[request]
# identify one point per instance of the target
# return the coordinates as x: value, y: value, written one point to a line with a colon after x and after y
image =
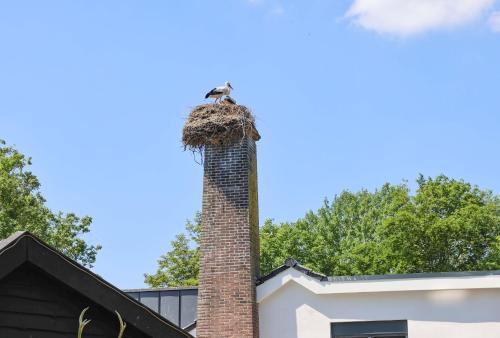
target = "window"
x: 375, y: 329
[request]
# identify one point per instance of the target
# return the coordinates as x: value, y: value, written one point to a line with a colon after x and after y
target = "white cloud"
x: 494, y: 22
x: 408, y: 17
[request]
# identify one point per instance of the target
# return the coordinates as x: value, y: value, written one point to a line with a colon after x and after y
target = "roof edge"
x: 25, y: 239
x: 6, y: 242
x: 190, y: 327
x: 416, y: 275
x: 292, y: 263
x: 180, y: 288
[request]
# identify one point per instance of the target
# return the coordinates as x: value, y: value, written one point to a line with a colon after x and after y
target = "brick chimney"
x: 227, y: 306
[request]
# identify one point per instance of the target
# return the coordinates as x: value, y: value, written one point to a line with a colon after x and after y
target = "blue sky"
x: 348, y: 94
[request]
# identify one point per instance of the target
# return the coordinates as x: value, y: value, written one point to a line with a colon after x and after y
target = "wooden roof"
x: 23, y: 247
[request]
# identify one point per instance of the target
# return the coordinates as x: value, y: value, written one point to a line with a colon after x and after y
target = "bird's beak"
x: 230, y: 86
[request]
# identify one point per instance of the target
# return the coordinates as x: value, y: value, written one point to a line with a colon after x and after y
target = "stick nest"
x: 218, y: 124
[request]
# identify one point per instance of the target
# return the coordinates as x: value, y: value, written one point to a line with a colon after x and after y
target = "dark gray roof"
x: 176, y: 304
x: 23, y: 247
x: 413, y: 275
x: 177, y: 288
x: 293, y: 264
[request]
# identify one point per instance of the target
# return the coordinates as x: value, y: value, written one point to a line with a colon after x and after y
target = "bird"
x: 228, y: 100
x: 219, y: 92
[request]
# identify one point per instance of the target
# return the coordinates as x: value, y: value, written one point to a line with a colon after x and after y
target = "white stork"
x: 218, y: 92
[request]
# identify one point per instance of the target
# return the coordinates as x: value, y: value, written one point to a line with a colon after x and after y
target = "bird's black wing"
x: 212, y: 92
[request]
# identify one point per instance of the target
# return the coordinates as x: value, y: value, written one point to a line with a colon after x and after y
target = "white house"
x: 297, y: 303
x: 294, y: 302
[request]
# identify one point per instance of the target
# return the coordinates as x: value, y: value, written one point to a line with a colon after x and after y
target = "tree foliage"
x: 446, y: 225
x: 22, y: 207
x: 180, y: 265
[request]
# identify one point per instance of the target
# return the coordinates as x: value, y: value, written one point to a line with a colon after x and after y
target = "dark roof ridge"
x: 22, y: 246
x: 292, y: 263
x: 415, y: 275
x: 173, y: 288
x: 11, y: 240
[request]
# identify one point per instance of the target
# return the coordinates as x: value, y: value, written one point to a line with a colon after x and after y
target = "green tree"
x: 22, y: 207
x: 180, y: 265
x: 447, y: 225
x: 341, y: 238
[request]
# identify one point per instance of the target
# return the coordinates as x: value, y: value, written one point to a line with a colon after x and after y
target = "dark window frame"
x: 370, y: 329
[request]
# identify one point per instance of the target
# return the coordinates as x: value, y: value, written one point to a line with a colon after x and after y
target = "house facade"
x: 294, y: 302
x: 433, y: 305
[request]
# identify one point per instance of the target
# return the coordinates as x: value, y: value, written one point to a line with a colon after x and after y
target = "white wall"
x: 293, y: 311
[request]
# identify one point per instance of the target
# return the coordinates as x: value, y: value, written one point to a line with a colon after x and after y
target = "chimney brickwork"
x: 227, y: 306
